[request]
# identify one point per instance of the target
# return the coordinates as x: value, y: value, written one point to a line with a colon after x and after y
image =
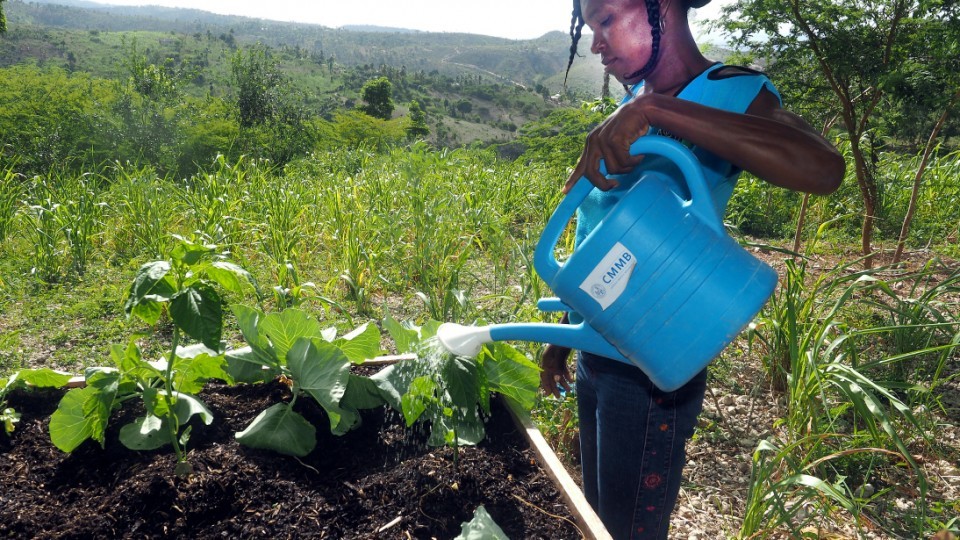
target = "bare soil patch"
x: 379, y: 481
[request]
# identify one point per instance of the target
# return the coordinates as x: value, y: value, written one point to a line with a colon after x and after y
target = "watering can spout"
x: 463, y: 340
x: 468, y: 340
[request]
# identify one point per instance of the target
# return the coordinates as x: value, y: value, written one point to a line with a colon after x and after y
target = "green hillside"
x: 472, y: 88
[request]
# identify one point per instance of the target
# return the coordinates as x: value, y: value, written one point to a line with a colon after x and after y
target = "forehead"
x: 591, y: 7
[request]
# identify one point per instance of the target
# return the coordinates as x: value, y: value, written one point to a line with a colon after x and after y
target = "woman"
x: 632, y: 434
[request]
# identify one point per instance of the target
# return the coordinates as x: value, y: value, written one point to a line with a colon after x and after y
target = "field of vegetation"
x: 262, y: 195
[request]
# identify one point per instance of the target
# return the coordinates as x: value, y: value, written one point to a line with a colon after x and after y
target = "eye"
x: 607, y: 21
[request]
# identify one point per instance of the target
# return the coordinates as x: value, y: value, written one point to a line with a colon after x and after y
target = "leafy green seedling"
x: 183, y: 287
x: 453, y: 392
x: 292, y: 345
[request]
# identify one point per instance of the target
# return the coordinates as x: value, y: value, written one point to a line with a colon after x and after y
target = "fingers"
x: 589, y: 166
x: 552, y: 382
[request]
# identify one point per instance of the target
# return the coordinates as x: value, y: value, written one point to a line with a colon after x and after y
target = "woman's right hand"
x: 554, y: 374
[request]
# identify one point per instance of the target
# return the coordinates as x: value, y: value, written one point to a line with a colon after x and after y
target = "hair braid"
x: 576, y: 26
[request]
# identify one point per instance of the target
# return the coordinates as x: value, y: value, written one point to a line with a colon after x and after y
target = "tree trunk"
x: 868, y: 191
x: 912, y: 208
x: 800, y: 219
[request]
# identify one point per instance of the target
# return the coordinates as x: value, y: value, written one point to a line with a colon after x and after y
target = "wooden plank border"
x: 590, y: 524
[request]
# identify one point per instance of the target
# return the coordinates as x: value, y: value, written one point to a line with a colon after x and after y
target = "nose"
x: 596, y: 44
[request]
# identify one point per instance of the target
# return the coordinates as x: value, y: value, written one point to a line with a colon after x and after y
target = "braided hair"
x: 653, y: 18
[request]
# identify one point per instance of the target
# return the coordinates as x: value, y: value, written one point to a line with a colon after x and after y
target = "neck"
x: 680, y: 60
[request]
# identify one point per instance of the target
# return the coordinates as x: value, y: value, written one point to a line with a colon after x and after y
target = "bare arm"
x: 768, y: 141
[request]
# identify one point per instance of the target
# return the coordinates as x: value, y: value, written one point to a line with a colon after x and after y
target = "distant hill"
x: 526, y: 62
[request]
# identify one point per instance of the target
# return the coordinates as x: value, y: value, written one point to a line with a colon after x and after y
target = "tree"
x: 417, y: 128
x: 3, y: 18
x: 378, y: 99
x: 850, y: 49
x: 258, y: 86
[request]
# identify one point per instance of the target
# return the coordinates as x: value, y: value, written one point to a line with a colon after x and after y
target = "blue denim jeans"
x: 632, y: 444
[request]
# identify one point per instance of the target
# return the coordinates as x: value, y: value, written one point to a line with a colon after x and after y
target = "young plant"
x: 182, y: 287
x: 316, y: 362
x: 10, y: 193
x: 453, y: 392
x: 783, y: 484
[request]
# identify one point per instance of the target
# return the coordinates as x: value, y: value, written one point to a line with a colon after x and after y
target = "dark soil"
x: 349, y: 487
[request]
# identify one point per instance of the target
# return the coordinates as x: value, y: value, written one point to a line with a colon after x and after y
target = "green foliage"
x: 784, y: 481
x: 26, y: 378
x: 777, y: 220
x: 49, y: 117
x: 317, y: 363
x: 259, y: 86
x: 558, y: 139
x: 11, y: 190
x: 417, y: 129
x: 377, y: 96
x: 182, y: 287
x: 451, y: 392
x: 844, y: 58
x: 358, y: 130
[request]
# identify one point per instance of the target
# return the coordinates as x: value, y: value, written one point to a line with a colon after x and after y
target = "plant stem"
x: 172, y: 422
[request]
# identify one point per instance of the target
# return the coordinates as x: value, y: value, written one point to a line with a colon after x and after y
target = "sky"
x: 513, y: 19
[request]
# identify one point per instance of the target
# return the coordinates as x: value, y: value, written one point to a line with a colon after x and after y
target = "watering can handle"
x: 700, y: 204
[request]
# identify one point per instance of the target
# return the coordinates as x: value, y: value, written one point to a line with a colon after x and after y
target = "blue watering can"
x: 658, y: 283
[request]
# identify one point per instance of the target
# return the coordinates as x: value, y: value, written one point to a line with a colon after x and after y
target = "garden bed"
x: 380, y: 481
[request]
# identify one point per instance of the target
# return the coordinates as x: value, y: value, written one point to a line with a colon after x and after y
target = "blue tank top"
x: 730, y: 90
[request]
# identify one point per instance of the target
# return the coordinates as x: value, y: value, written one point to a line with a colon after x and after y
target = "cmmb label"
x: 609, y: 278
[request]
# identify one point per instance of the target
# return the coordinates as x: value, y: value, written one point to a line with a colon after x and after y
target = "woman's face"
x: 621, y: 35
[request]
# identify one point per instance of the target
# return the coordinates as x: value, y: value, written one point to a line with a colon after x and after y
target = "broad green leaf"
x: 190, y: 253
x: 145, y: 433
x: 343, y: 419
x: 284, y: 328
x: 246, y: 366
x: 149, y: 287
x: 392, y: 382
x: 481, y: 527
x: 83, y: 413
x: 321, y: 370
x: 249, y: 321
x: 131, y: 363
x: 362, y: 393
x: 420, y: 394
x: 281, y: 429
x: 198, y: 311
x: 186, y: 406
x: 429, y: 329
x: 361, y: 344
x: 230, y: 276
x: 193, y: 373
x: 511, y: 374
x: 152, y: 404
x: 461, y: 380
x: 44, y: 377
x: 405, y: 337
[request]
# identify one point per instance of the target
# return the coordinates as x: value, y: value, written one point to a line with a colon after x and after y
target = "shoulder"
x: 727, y: 72
x: 736, y: 88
